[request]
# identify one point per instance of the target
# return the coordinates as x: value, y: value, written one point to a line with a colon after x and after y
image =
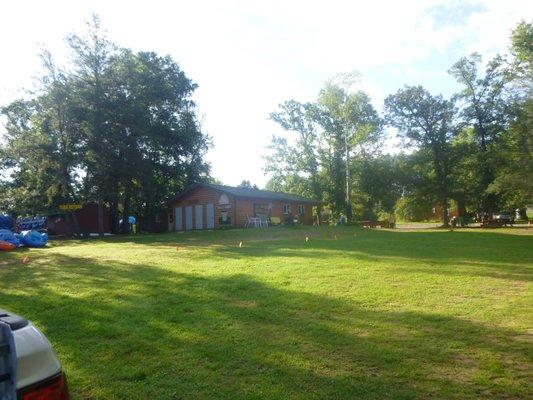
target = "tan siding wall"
x: 306, y: 218
x: 245, y: 207
x: 241, y: 208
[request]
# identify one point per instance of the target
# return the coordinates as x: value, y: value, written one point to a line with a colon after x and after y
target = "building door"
x: 198, y: 211
x: 210, y: 216
x: 179, y: 219
x: 188, y: 218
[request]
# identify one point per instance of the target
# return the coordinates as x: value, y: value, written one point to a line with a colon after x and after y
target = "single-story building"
x: 78, y: 221
x: 209, y: 206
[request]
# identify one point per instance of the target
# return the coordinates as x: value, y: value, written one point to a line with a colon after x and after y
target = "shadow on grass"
x: 465, y: 246
x: 495, y: 255
x: 142, y: 332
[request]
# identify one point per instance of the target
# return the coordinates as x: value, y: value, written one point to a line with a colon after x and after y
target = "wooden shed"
x: 209, y: 206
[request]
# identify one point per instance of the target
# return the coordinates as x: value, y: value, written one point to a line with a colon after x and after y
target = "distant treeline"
x: 472, y: 150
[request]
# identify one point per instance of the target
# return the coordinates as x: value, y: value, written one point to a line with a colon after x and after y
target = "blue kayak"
x: 7, y: 236
x: 33, y: 238
x: 6, y: 222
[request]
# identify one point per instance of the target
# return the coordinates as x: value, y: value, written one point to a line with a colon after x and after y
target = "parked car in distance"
x: 503, y: 218
x: 29, y: 368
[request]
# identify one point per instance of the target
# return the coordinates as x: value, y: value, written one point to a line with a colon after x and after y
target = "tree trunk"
x: 445, y: 215
x: 150, y: 216
x: 113, y: 213
x: 100, y: 218
x: 125, y: 214
x: 348, y: 186
x: 77, y: 231
x: 316, y: 193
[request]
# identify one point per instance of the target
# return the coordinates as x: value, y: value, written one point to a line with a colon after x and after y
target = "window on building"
x: 286, y: 208
x: 261, y: 210
x: 225, y: 218
x: 301, y: 209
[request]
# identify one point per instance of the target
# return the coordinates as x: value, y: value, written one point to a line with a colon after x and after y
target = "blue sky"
x: 249, y: 56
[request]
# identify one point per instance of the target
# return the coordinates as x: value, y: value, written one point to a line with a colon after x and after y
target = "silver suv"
x: 29, y: 368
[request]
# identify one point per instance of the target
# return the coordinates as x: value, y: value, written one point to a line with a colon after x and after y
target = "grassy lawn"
x: 350, y: 314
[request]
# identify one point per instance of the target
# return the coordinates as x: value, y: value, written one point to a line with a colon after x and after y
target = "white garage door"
x: 198, y: 211
x: 210, y: 216
x: 179, y: 219
x: 188, y: 218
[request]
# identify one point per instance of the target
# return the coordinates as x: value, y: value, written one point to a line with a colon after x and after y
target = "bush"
x: 412, y: 210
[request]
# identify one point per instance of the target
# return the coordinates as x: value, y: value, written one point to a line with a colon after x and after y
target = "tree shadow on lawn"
x: 470, y: 253
x: 494, y: 255
x: 439, y: 244
x: 142, y: 332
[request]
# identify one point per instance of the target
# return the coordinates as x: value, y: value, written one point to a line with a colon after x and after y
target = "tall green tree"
x: 41, y: 146
x: 351, y: 128
x: 142, y: 140
x: 513, y: 182
x: 159, y: 146
x: 426, y: 122
x: 297, y: 160
x: 521, y: 68
x: 119, y: 127
x: 483, y: 107
x: 92, y: 51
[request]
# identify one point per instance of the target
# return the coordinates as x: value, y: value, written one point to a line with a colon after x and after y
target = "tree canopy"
x: 116, y: 126
x: 471, y: 152
x: 120, y: 127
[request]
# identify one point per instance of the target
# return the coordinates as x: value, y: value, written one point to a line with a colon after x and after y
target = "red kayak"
x: 6, y: 246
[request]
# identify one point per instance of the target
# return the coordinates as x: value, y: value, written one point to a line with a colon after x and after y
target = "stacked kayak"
x: 6, y: 246
x: 8, y: 240
x: 30, y: 238
x: 6, y: 222
x: 33, y: 238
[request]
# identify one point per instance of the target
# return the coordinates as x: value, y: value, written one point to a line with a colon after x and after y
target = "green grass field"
x: 350, y: 314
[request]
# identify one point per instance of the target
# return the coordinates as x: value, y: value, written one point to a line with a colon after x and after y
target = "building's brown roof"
x: 248, y: 193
